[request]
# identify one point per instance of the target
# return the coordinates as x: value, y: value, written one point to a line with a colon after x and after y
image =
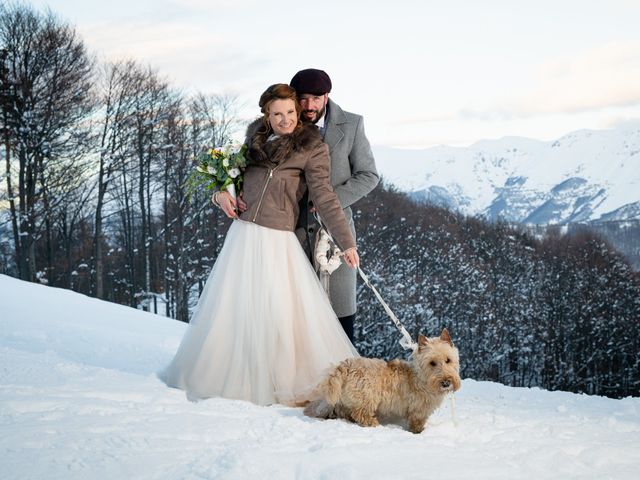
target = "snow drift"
x: 79, y: 398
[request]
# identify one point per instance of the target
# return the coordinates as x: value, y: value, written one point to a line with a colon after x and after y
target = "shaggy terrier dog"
x: 366, y: 390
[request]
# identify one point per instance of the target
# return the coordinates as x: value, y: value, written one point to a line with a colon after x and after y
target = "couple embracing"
x: 264, y: 329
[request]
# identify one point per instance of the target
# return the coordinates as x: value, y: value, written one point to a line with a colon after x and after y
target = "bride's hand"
x: 226, y: 202
x: 351, y: 257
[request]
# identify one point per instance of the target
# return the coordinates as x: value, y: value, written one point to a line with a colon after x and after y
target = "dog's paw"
x: 319, y: 409
x: 416, y: 426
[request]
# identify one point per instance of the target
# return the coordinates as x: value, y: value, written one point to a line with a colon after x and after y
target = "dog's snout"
x: 445, y: 384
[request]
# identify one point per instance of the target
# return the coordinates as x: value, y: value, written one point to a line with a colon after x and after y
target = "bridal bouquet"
x: 219, y: 168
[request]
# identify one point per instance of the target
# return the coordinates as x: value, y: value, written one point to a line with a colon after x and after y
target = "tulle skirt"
x: 263, y: 329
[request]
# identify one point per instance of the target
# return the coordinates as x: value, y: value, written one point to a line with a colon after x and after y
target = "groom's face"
x: 313, y: 106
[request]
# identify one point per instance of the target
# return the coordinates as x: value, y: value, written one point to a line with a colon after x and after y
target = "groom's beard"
x: 317, y: 115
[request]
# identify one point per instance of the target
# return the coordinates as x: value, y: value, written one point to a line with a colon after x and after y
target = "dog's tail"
x: 331, y: 386
x: 326, y: 394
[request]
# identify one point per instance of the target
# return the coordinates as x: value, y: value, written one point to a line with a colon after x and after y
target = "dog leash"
x: 406, y: 341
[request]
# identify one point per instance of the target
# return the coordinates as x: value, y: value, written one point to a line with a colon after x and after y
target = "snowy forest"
x: 93, y: 199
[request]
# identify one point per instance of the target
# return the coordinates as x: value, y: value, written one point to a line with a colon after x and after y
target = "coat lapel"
x: 334, y: 133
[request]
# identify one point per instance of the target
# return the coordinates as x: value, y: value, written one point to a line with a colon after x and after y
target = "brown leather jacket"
x: 278, y: 173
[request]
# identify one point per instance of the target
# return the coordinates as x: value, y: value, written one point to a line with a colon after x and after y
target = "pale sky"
x: 422, y: 73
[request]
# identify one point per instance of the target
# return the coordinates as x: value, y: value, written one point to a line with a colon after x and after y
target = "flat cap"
x: 311, y: 80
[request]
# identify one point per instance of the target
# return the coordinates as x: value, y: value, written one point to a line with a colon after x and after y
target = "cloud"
x: 148, y: 40
x: 598, y: 79
x: 426, y: 119
x: 208, y: 5
x: 617, y: 121
x: 192, y: 56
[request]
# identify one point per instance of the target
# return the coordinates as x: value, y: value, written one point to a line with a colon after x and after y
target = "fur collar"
x: 278, y: 150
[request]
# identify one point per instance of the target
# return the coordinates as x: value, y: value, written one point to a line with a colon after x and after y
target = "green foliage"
x: 218, y: 168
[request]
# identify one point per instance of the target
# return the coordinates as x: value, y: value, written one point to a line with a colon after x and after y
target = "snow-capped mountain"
x: 587, y: 175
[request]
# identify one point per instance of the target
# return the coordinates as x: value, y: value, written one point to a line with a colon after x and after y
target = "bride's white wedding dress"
x: 264, y: 329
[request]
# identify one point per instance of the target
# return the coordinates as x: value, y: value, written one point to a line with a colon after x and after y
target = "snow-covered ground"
x: 79, y: 399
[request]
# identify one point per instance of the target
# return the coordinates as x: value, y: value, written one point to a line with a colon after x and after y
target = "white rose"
x: 200, y: 169
x: 211, y: 170
x: 225, y: 162
x: 234, y: 172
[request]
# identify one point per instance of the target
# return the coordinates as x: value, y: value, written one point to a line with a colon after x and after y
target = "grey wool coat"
x: 353, y: 175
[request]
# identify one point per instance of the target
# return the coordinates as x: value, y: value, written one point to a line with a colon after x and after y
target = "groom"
x: 353, y: 175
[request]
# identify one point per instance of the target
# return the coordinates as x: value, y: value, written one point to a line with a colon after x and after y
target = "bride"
x: 264, y: 329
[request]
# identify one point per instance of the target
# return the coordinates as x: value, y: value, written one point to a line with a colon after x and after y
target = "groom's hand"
x: 242, y: 206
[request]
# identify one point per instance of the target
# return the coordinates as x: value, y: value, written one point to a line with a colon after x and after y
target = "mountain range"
x: 587, y: 176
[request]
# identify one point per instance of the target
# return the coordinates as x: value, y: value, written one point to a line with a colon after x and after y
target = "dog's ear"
x: 445, y: 337
x: 422, y: 340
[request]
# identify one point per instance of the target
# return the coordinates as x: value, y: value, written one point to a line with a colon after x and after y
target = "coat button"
x: 311, y: 229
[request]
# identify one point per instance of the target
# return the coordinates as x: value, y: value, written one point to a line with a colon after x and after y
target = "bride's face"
x: 283, y: 117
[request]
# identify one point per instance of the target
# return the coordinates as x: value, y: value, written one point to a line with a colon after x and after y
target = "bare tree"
x: 191, y: 228
x: 7, y: 99
x: 47, y: 113
x: 117, y: 102
x: 214, y: 119
x: 133, y: 135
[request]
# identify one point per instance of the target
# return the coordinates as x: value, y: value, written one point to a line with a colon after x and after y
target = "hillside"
x: 80, y: 399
